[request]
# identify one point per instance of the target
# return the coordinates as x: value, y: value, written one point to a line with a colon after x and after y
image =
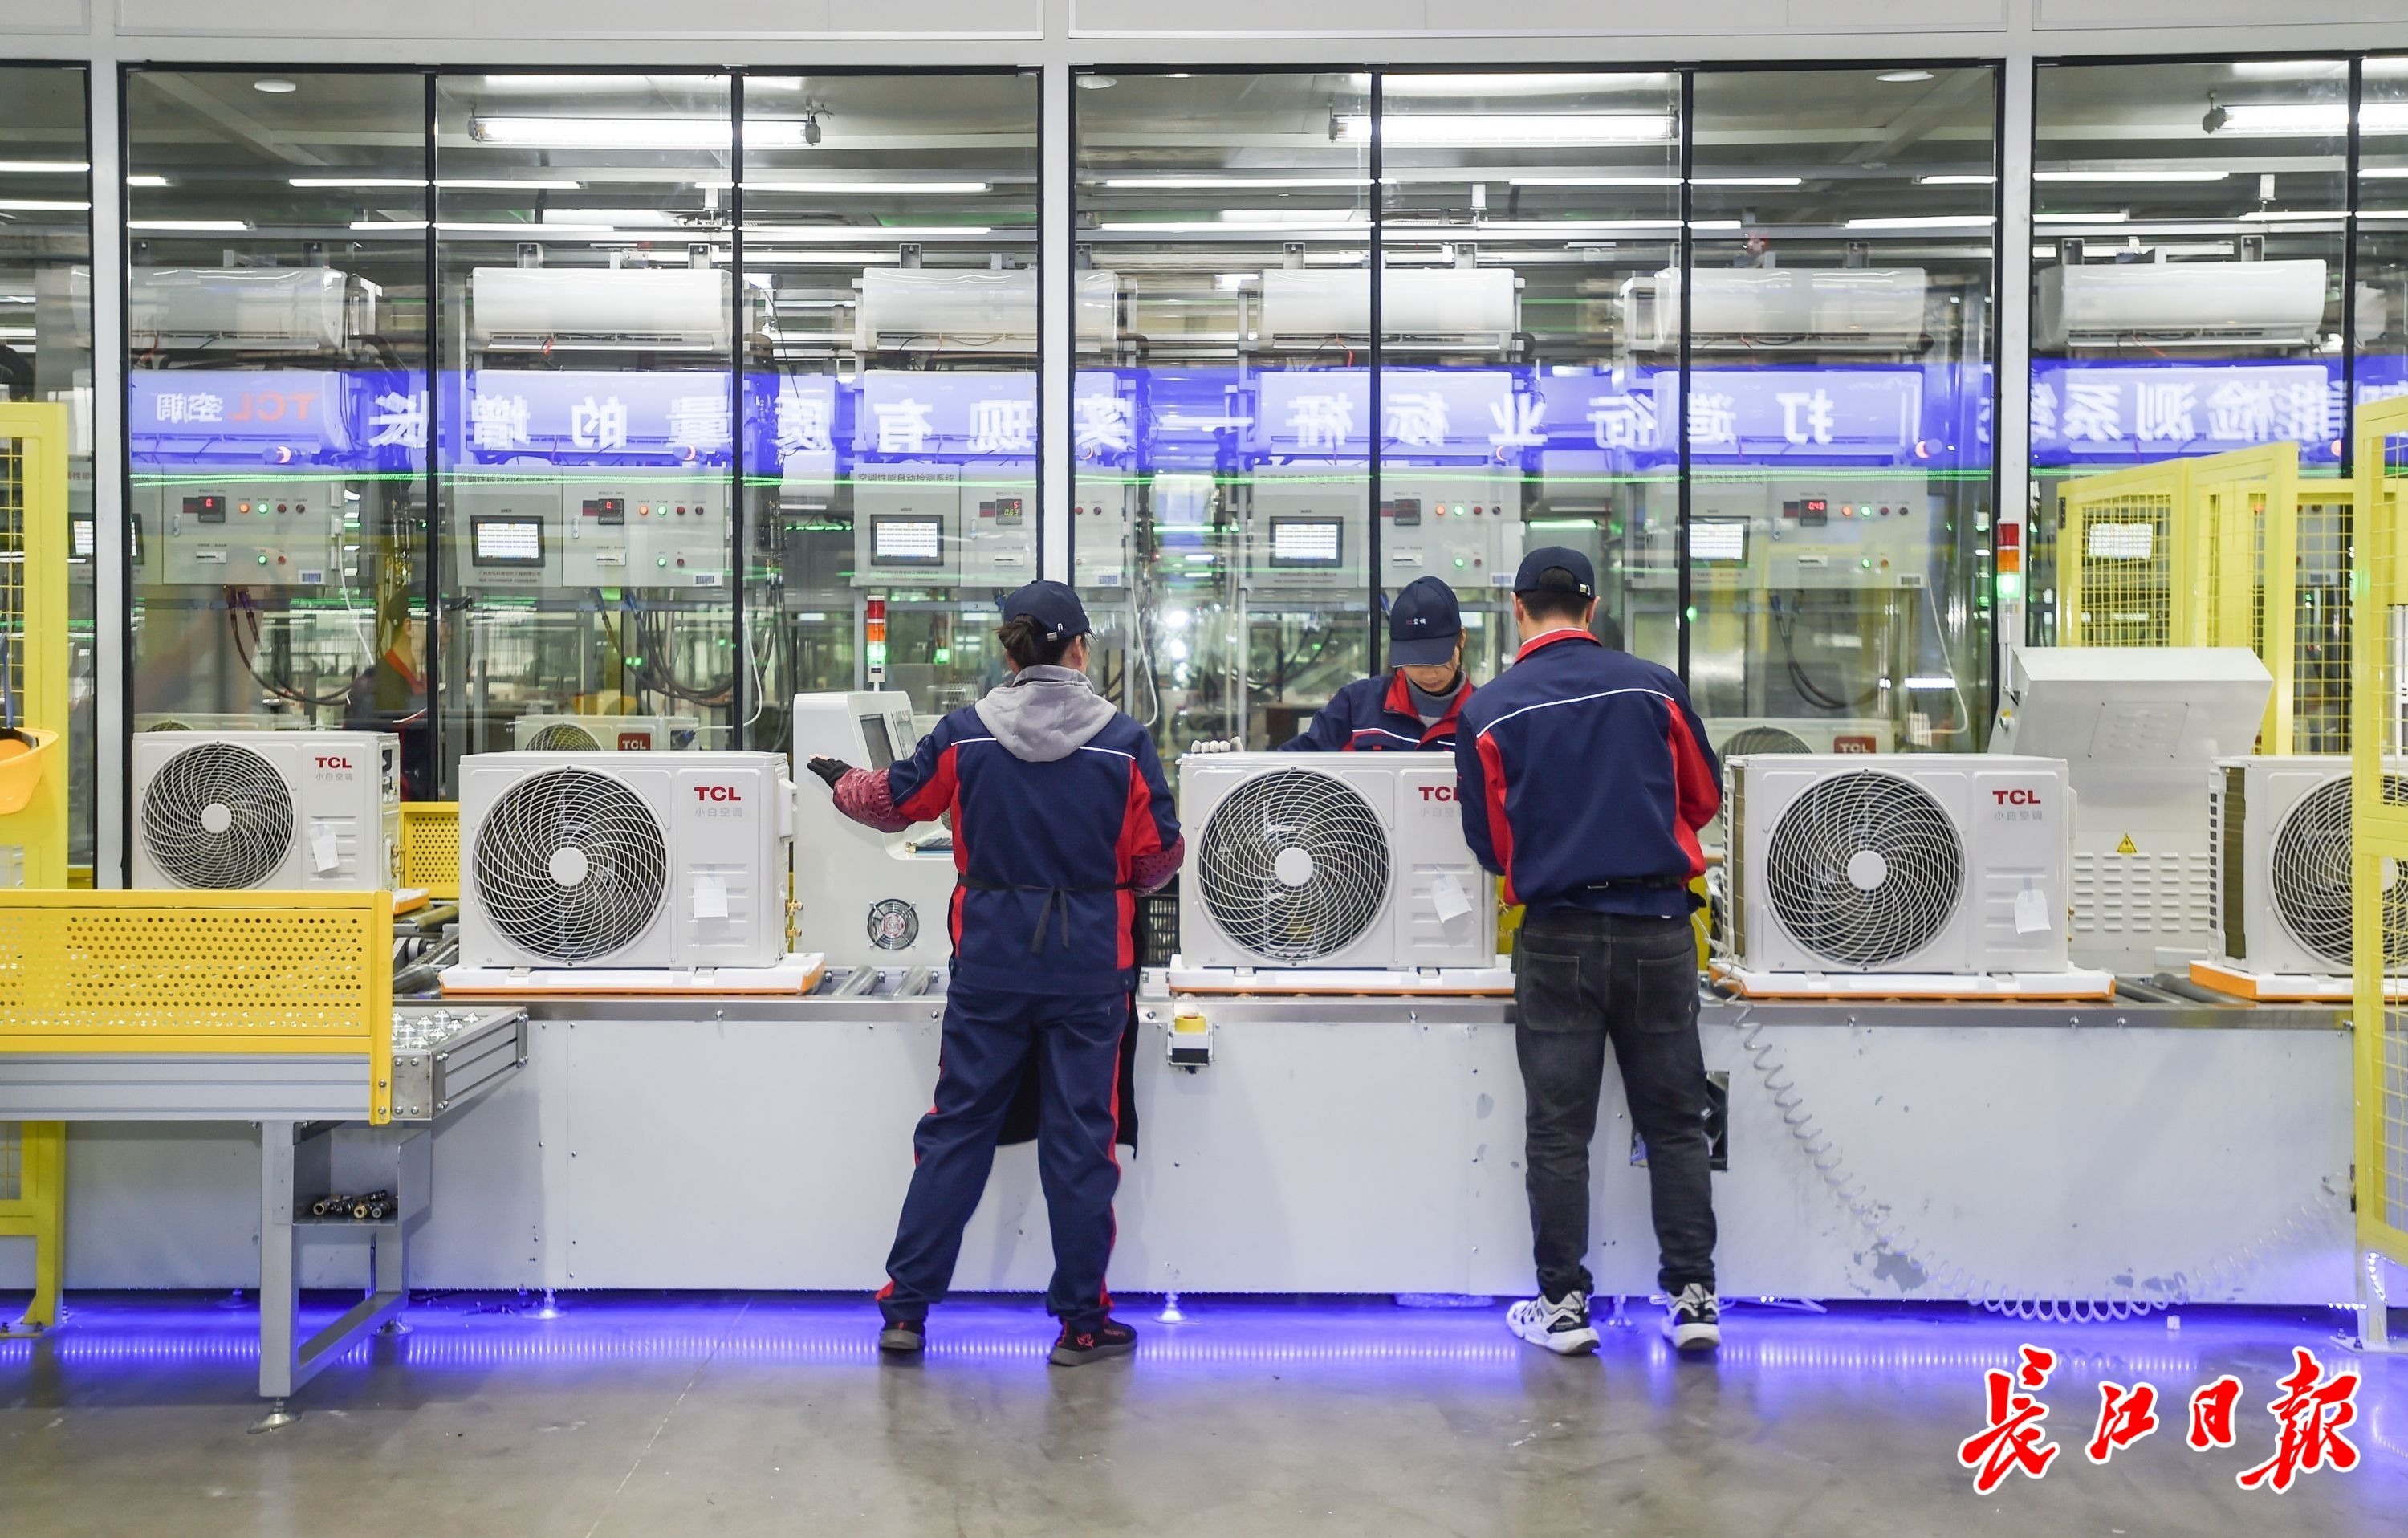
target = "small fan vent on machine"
x: 571, y: 865
x: 167, y: 726
x: 1293, y: 865
x: 1749, y: 740
x: 217, y: 816
x: 560, y: 736
x: 1864, y: 869
x: 2308, y: 873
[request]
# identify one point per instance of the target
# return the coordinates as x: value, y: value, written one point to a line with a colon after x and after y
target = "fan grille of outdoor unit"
x: 560, y: 736
x: 1749, y: 740
x: 1256, y: 896
x: 217, y: 816
x: 571, y: 865
x: 2308, y: 871
x: 1837, y: 901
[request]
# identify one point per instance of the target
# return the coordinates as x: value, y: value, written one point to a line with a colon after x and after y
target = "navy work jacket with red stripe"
x: 1584, y: 776
x: 1045, y: 852
x: 1376, y: 714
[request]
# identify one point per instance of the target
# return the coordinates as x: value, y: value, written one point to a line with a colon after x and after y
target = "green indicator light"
x: 1693, y: 614
x: 1458, y: 563
x: 1867, y: 563
x: 635, y: 662
x: 2011, y: 585
x: 262, y: 560
x: 660, y: 561
x: 942, y: 654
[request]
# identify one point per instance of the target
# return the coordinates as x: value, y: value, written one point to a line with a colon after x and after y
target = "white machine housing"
x: 218, y: 721
x: 1852, y: 309
x: 2250, y: 802
x: 863, y: 897
x: 293, y: 310
x: 2152, y: 304
x: 642, y: 532
x: 1763, y: 734
x: 2010, y: 817
x: 555, y: 733
x: 1463, y: 527
x: 1478, y: 308
x: 344, y: 793
x: 1103, y: 531
x: 1440, y: 907
x: 683, y: 309
x: 2141, y: 730
x: 1305, y: 531
x: 1797, y: 533
x: 917, y: 524
x: 727, y: 822
x: 238, y: 533
x: 505, y: 535
x: 941, y: 308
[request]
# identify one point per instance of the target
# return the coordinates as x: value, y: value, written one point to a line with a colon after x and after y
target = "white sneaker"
x: 1560, y: 1324
x: 1694, y: 1322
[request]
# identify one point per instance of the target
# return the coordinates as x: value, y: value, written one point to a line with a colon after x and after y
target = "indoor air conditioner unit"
x: 1357, y: 863
x: 283, y: 810
x: 2281, y: 828
x: 683, y: 308
x: 632, y: 861
x: 247, y: 308
x: 604, y: 733
x: 2154, y: 304
x: 937, y: 309
x: 1735, y: 734
x: 1470, y: 307
x: 1855, y: 308
x: 1929, y: 871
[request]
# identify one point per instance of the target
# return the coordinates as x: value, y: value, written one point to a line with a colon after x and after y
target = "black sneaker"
x: 1559, y: 1324
x: 1078, y: 1347
x: 1695, y: 1320
x: 904, y: 1337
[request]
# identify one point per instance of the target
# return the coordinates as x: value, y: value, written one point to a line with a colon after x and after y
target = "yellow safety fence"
x: 2379, y: 832
x: 156, y: 972
x: 33, y: 1180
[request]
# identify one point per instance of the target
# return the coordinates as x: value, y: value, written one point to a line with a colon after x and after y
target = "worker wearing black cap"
x: 1415, y: 705
x: 1061, y: 817
x: 1584, y: 777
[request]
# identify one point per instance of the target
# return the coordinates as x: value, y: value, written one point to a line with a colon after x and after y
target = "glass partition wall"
x: 46, y: 357
x: 1270, y: 444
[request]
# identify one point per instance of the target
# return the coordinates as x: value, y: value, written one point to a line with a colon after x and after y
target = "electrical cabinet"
x: 924, y: 525
x: 1464, y: 528
x: 1796, y: 534
x: 1305, y: 529
x: 506, y: 536
x: 648, y: 534
x: 242, y: 533
x: 1102, y: 532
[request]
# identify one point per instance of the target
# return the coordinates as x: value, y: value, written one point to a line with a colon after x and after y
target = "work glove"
x: 830, y: 769
x: 1216, y: 744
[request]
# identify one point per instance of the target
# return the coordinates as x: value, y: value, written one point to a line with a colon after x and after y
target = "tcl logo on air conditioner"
x: 635, y: 741
x: 2016, y: 798
x: 1437, y: 792
x: 1854, y: 742
x: 2021, y: 804
x: 333, y: 761
x: 716, y: 793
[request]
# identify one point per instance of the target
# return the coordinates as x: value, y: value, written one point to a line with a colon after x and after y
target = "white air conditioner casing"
x: 1876, y: 308
x: 628, y: 861
x: 235, y: 308
x: 935, y: 309
x: 1474, y: 307
x: 864, y: 897
x: 217, y: 721
x: 274, y: 811
x: 686, y: 308
x: 604, y: 733
x: 2140, y: 304
x: 1412, y: 898
x: 2280, y: 824
x: 1842, y: 863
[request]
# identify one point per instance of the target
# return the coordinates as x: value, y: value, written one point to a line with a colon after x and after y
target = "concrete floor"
x: 647, y: 1418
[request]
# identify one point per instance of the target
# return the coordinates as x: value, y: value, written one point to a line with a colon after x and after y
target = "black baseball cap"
x: 1535, y: 564
x: 1051, y: 605
x: 1424, y: 621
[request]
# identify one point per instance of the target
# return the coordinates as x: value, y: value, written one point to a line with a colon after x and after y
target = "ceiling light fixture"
x: 1532, y: 84
x: 275, y: 87
x: 481, y: 185
x: 1098, y: 82
x: 1924, y: 222
x: 1228, y: 183
x: 2126, y: 177
x: 641, y: 133
x: 1489, y: 129
x: 904, y: 189
x: 2117, y: 216
x: 196, y: 226
x: 1958, y: 179
x: 43, y: 205
x: 1904, y: 76
x: 45, y: 167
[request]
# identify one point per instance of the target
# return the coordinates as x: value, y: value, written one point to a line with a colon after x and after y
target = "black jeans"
x: 1581, y: 980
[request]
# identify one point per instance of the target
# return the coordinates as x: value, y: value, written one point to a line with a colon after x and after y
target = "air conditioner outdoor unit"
x: 631, y: 862
x: 1359, y: 863
x: 1858, y: 309
x: 247, y: 308
x: 218, y: 811
x: 1924, y: 873
x: 684, y: 308
x: 2154, y: 304
x: 1735, y: 734
x: 2281, y: 829
x: 217, y: 721
x: 604, y: 733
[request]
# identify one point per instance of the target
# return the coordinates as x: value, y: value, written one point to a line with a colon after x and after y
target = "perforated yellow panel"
x: 2378, y: 827
x: 199, y: 972
x: 430, y: 847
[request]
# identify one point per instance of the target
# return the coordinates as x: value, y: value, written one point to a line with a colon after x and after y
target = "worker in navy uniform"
x: 1061, y: 818
x: 1415, y: 705
x: 1584, y: 777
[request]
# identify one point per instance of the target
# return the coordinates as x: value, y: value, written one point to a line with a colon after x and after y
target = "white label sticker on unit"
x: 1449, y: 898
x: 2031, y: 911
x: 709, y: 898
x: 324, y: 853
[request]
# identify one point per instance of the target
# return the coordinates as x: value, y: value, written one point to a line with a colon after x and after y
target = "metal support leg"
x: 286, y: 1361
x: 1170, y: 1314
x: 2374, y: 1309
x: 41, y: 1213
x: 279, y: 1275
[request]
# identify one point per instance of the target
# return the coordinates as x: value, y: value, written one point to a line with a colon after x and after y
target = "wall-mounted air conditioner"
x: 1858, y: 309
x: 683, y: 309
x: 2158, y: 304
x: 247, y: 308
x: 938, y: 309
x: 1467, y: 306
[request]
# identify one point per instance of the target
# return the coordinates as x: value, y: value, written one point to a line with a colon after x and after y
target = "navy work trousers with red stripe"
x: 988, y: 1036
